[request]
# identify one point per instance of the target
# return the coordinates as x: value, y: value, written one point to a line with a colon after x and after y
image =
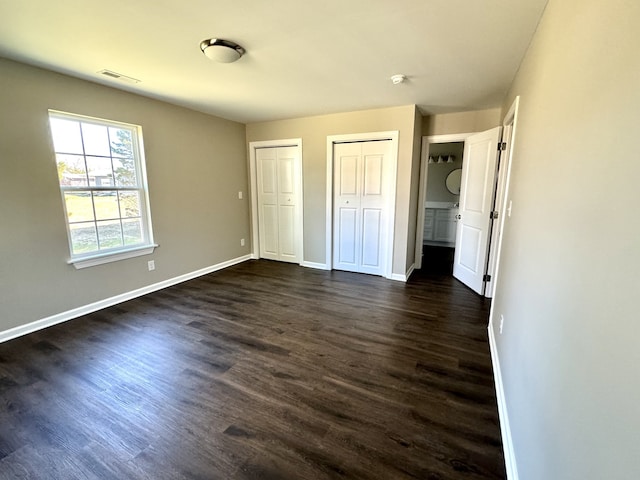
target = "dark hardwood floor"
x: 437, y: 259
x: 264, y: 370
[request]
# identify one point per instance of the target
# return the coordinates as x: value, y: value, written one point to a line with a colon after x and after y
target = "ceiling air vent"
x: 118, y: 76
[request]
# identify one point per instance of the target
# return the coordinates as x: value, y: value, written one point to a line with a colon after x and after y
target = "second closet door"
x: 362, y: 171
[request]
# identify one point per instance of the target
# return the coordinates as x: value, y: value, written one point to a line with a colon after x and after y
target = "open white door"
x: 476, y: 203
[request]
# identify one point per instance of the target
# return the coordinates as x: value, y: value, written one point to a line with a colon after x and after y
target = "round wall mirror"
x: 453, y: 181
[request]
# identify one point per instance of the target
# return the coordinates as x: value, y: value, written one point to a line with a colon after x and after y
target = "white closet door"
x: 362, y: 172
x: 476, y: 202
x: 346, y: 216
x: 278, y: 203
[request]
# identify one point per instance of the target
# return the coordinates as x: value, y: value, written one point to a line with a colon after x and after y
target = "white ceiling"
x: 303, y: 57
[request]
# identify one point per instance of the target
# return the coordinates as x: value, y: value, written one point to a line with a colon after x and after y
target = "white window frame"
x: 147, y: 246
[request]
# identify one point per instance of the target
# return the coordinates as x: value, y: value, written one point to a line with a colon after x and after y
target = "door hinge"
x: 502, y: 146
x: 486, y: 278
x: 493, y: 215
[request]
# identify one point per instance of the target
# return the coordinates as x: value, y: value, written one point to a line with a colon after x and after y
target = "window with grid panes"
x: 103, y: 185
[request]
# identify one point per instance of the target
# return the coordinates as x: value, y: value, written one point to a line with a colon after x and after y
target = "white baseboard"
x: 505, y: 429
x: 403, y: 278
x: 318, y: 266
x: 108, y: 302
x: 410, y: 271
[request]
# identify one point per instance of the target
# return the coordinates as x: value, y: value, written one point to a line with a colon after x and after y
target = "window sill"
x: 101, y: 258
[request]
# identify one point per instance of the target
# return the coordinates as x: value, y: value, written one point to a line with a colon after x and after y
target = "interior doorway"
x: 442, y: 199
x: 471, y: 215
x: 437, y: 256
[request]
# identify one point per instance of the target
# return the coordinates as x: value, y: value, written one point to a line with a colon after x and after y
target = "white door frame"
x: 504, y: 177
x: 510, y: 121
x: 253, y: 191
x: 391, y: 206
x: 422, y: 190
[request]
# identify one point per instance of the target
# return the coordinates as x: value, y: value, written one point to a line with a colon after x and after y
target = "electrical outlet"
x: 242, y: 242
x: 151, y: 264
x: 240, y: 195
x: 501, y: 323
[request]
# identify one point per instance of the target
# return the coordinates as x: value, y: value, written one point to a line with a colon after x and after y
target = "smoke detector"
x: 397, y: 79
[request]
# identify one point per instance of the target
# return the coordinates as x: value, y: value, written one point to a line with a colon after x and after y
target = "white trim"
x: 504, y: 178
x: 108, y: 302
x: 448, y: 138
x: 362, y: 137
x: 317, y: 266
x: 94, y: 260
x: 403, y: 278
x: 410, y: 270
x: 255, y: 239
x: 505, y: 429
x: 422, y: 189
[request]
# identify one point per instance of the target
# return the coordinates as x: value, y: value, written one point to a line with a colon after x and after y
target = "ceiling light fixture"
x: 397, y: 79
x: 220, y: 50
x: 442, y: 159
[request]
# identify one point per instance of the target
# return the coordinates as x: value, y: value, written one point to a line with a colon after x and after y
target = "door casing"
x: 502, y: 203
x: 362, y: 137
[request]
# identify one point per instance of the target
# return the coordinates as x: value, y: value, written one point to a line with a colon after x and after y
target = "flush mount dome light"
x: 223, y: 51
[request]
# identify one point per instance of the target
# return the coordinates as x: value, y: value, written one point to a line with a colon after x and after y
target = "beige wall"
x: 196, y: 165
x: 314, y: 132
x: 463, y: 122
x: 568, y: 279
x: 415, y: 189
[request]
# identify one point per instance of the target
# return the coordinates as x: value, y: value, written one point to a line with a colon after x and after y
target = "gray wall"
x: 314, y: 132
x: 196, y: 165
x: 569, y: 272
x: 437, y: 173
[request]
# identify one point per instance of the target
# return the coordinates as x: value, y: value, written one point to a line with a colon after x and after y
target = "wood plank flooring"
x: 264, y: 370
